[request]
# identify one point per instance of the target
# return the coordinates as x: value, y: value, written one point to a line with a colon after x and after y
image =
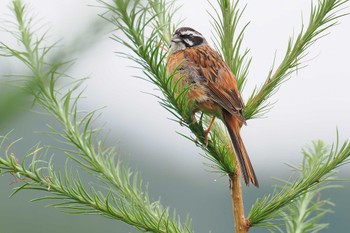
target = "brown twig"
x: 242, y: 224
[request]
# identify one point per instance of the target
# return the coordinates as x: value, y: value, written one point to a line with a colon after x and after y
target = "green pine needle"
x: 317, y: 170
x: 323, y: 16
x: 148, y: 43
x: 230, y: 38
x: 126, y: 198
x: 147, y: 27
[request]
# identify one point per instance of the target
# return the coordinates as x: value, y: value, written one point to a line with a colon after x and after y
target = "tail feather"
x: 233, y: 126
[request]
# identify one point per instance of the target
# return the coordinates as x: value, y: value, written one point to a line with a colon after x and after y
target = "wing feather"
x: 217, y: 79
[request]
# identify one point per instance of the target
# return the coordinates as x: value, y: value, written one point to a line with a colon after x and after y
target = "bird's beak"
x: 176, y: 39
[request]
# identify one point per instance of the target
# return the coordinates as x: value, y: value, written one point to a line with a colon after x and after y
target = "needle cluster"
x: 124, y: 196
x: 146, y: 28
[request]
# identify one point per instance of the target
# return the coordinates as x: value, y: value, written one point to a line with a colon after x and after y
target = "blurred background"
x: 310, y: 106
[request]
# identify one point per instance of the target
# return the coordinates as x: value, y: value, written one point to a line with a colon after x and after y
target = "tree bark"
x: 242, y: 225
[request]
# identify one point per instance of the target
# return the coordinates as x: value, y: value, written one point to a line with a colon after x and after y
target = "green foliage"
x: 143, y: 27
x: 147, y: 28
x: 316, y: 174
x: 230, y: 38
x: 126, y: 198
x: 305, y: 214
x: 323, y: 16
x: 148, y: 34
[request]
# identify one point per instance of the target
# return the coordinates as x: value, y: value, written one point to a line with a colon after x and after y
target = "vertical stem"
x: 242, y: 225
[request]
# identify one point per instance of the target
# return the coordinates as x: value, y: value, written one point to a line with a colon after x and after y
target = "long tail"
x: 233, y: 127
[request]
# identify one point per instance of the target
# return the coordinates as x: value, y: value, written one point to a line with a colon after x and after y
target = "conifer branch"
x: 230, y: 40
x: 324, y: 15
x: 226, y: 23
x: 147, y: 44
x: 318, y: 167
x: 147, y: 28
x: 126, y: 198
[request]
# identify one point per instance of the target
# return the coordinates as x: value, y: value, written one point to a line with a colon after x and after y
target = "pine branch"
x: 318, y: 175
x: 126, y: 199
x: 241, y: 223
x: 163, y: 11
x: 323, y: 16
x: 230, y: 38
x: 147, y: 29
x: 72, y: 196
x: 139, y: 23
x: 306, y: 212
x: 145, y: 43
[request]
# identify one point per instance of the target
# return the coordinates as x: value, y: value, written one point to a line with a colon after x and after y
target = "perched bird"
x: 212, y: 88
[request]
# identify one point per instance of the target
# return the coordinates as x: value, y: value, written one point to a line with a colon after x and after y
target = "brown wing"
x: 218, y: 79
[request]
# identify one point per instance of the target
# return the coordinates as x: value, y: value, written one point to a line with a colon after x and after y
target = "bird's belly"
x: 202, y: 102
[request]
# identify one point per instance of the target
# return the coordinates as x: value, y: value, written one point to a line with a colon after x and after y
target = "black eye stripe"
x: 189, y: 37
x: 193, y: 41
x: 198, y: 40
x: 186, y: 36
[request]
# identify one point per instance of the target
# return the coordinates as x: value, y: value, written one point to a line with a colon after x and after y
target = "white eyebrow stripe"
x: 189, y: 32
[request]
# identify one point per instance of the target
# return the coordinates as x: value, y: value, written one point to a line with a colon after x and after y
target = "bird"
x: 212, y: 89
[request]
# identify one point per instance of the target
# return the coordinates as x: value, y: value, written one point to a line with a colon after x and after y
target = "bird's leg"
x: 207, y: 131
x: 194, y: 120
